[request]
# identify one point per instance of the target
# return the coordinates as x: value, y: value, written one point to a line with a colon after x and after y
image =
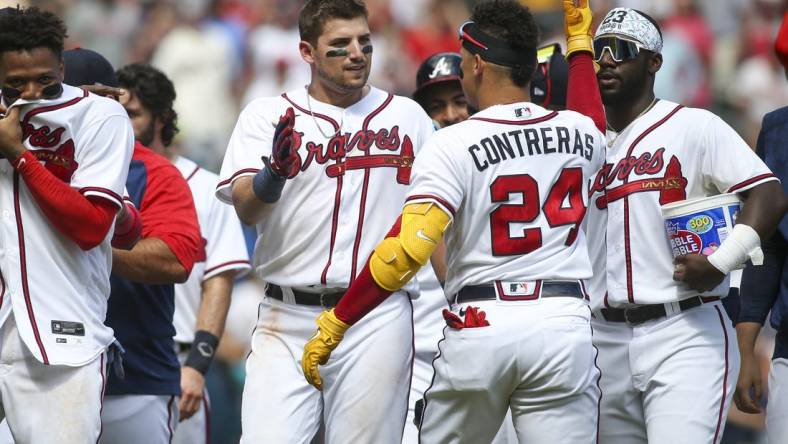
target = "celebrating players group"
x: 488, y: 262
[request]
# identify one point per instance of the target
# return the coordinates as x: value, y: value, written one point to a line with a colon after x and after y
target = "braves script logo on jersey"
x: 672, y: 186
x: 59, y: 161
x: 337, y: 148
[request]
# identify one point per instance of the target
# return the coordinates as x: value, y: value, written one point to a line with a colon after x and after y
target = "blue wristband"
x: 267, y: 185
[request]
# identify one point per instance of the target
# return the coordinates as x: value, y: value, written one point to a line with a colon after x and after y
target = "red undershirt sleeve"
x: 582, y: 93
x: 364, y: 294
x: 84, y: 220
x: 168, y: 213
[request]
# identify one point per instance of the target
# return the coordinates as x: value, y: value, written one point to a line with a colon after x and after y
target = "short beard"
x: 337, y: 84
x: 148, y: 134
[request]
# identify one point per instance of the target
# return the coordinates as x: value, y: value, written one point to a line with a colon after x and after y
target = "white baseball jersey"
x: 355, y: 168
x: 514, y: 177
x: 57, y: 291
x: 225, y: 247
x: 670, y: 153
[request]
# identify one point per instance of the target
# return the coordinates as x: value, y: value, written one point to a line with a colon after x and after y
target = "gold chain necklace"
x: 610, y: 128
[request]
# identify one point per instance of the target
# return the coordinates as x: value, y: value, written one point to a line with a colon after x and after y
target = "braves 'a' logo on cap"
x: 441, y: 68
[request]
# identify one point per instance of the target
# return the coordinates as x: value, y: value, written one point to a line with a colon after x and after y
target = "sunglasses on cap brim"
x: 619, y: 49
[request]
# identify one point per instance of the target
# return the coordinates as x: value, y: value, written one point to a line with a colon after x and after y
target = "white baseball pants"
x: 777, y: 408
x: 365, y: 382
x: 535, y: 359
x: 134, y: 419
x: 667, y: 381
x: 48, y: 403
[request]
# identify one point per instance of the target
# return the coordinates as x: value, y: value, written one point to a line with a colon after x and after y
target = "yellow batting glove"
x: 577, y: 25
x: 330, y: 331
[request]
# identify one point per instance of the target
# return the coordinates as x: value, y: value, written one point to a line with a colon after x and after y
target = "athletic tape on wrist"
x: 202, y: 351
x: 742, y: 244
x: 267, y: 185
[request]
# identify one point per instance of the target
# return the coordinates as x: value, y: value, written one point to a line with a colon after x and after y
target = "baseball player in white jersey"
x: 61, y: 179
x: 508, y: 189
x: 334, y: 174
x: 201, y: 303
x: 667, y: 349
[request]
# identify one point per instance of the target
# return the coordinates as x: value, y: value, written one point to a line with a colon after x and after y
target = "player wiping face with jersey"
x: 496, y: 186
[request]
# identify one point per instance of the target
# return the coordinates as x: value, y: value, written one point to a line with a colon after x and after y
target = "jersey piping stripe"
x: 364, y: 190
x: 23, y: 265
x: 517, y: 122
x: 432, y: 382
x: 228, y: 264
x: 2, y: 288
x: 725, y: 378
x: 309, y: 113
x: 598, y: 386
x: 102, y: 369
x: 337, y: 195
x: 435, y: 198
x: 412, y: 363
x: 45, y: 109
x: 99, y: 191
x: 235, y: 175
x: 751, y: 181
x: 197, y: 168
x: 334, y: 221
x: 627, y: 248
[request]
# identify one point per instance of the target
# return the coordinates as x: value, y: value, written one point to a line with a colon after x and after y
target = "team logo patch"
x: 68, y: 328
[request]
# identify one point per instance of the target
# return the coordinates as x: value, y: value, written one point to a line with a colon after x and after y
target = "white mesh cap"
x: 632, y: 25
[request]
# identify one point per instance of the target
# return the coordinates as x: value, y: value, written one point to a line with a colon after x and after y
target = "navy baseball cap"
x: 551, y: 78
x: 441, y: 67
x: 86, y: 67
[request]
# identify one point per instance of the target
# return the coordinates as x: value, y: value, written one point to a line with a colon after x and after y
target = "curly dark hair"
x: 156, y: 93
x: 316, y: 13
x: 30, y: 28
x: 513, y: 23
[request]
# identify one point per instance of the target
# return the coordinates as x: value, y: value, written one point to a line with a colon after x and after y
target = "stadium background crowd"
x: 220, y: 54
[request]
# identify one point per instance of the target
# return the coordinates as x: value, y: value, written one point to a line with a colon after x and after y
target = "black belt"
x: 547, y: 290
x: 643, y: 313
x: 325, y: 300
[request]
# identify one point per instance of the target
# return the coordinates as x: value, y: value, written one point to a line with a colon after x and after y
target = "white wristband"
x: 743, y: 243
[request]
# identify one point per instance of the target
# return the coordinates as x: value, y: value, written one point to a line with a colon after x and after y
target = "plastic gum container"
x: 699, y: 226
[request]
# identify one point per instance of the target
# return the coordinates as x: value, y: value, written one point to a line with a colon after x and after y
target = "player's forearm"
x: 249, y: 208
x: 764, y: 207
x: 150, y: 262
x: 84, y: 221
x: 746, y: 335
x: 216, y: 293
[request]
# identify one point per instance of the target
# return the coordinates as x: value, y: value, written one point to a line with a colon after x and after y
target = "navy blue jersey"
x: 141, y: 314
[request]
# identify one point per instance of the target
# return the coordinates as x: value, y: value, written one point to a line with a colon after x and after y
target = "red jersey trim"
x: 627, y: 248
x: 104, y: 192
x: 236, y: 175
x: 435, y: 198
x: 197, y: 168
x: 518, y: 122
x: 229, y: 265
x: 747, y: 183
x: 310, y: 113
x: 23, y: 265
x: 720, y: 417
x: 45, y: 109
x: 364, y: 190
